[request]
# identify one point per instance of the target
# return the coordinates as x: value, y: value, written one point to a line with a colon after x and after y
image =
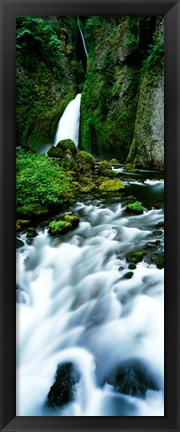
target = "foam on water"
x: 83, y: 309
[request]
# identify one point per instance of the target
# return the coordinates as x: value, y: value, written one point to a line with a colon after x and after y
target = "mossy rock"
x: 20, y: 224
x: 105, y: 169
x: 90, y: 187
x: 135, y: 207
x: 34, y: 210
x: 85, y: 163
x: 60, y: 227
x: 63, y: 150
x: 135, y: 257
x: 114, y: 161
x: 72, y: 219
x: 131, y: 266
x: 31, y: 232
x: 111, y: 185
x: 159, y: 261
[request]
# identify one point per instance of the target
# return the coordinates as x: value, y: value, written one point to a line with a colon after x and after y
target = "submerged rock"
x: 132, y: 379
x: 63, y: 389
x: 22, y: 296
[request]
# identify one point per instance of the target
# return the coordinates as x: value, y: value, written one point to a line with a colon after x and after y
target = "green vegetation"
x: 59, y: 227
x: 111, y: 185
x: 105, y: 169
x: 40, y: 184
x: 136, y: 207
x: 47, y: 76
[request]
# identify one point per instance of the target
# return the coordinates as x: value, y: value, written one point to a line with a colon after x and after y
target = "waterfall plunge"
x: 68, y: 126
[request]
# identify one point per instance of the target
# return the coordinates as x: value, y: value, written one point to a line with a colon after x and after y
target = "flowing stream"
x: 79, y: 306
x: 68, y: 126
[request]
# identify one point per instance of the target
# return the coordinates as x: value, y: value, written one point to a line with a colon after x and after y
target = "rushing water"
x: 79, y: 307
x: 68, y: 126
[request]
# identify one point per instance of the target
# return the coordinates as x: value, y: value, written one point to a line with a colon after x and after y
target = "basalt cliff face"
x: 121, y: 81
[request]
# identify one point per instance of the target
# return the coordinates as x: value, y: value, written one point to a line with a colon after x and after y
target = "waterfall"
x: 68, y: 126
x: 82, y: 36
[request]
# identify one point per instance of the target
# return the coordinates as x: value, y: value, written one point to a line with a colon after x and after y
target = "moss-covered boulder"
x: 31, y: 232
x: 64, y: 150
x: 159, y: 261
x: 111, y: 185
x: 135, y: 207
x: 60, y: 227
x: 21, y: 224
x: 114, y: 161
x: 89, y: 188
x: 104, y: 168
x: 85, y: 163
x: 72, y: 219
x: 135, y: 257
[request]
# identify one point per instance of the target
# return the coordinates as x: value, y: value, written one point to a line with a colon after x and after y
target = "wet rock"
x: 72, y: 219
x: 159, y: 261
x: 31, y: 232
x: 132, y: 379
x: 135, y: 257
x: 19, y: 243
x: 22, y: 296
x: 63, y: 389
x: 128, y: 275
x: 152, y: 244
x: 157, y: 233
x: 131, y: 266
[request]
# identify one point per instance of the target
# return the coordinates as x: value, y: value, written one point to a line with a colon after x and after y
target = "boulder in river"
x: 135, y: 257
x: 63, y: 389
x: 132, y: 378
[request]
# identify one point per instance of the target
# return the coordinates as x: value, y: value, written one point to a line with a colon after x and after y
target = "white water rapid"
x: 83, y: 308
x: 68, y: 126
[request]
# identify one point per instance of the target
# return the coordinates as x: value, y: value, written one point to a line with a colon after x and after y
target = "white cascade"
x: 82, y: 37
x: 68, y: 126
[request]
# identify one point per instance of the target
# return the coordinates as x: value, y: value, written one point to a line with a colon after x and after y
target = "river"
x: 85, y: 306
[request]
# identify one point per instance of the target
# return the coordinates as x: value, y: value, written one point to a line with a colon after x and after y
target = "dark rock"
x: 131, y: 266
x: 159, y: 261
x: 62, y: 391
x: 135, y: 257
x: 132, y: 379
x: 128, y: 275
x: 19, y: 243
x: 31, y: 232
x: 157, y: 233
x: 151, y: 244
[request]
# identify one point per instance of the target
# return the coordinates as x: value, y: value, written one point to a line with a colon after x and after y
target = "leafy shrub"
x: 39, y: 183
x: 136, y: 206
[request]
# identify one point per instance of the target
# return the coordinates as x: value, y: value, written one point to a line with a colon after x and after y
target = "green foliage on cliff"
x: 39, y: 184
x: 46, y: 75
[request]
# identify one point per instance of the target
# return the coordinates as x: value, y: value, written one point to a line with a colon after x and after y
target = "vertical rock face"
x: 147, y: 149
x: 122, y: 113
